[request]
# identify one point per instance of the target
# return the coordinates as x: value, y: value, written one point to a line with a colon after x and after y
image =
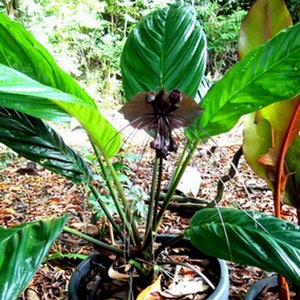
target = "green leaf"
x: 268, y: 74
x: 21, y: 51
x: 22, y: 249
x: 249, y: 238
x: 42, y: 89
x: 35, y: 140
x: 167, y: 49
x: 26, y: 95
x: 263, y: 21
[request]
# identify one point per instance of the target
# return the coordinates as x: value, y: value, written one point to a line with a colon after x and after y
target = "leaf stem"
x: 127, y: 217
x: 93, y: 240
x: 150, y: 214
x: 158, y: 189
x: 97, y: 195
x: 180, y: 169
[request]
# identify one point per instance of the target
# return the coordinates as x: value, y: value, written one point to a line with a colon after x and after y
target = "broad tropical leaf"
x: 22, y: 52
x: 42, y: 89
x: 20, y: 92
x: 263, y: 21
x: 35, y: 140
x: 22, y: 249
x: 167, y: 49
x: 249, y: 238
x: 266, y: 75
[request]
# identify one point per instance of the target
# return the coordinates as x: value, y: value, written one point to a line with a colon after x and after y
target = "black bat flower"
x: 161, y: 113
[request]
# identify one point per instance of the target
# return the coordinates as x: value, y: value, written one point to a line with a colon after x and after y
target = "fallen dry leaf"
x: 149, y: 293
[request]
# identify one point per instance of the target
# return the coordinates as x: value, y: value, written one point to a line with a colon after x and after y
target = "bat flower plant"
x: 159, y: 114
x: 163, y: 64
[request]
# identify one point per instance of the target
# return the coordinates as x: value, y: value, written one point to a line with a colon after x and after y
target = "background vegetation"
x: 86, y: 36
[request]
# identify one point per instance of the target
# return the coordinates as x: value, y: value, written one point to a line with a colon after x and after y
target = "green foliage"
x: 294, y: 8
x: 248, y: 86
x: 243, y: 236
x: 44, y: 91
x: 250, y: 238
x: 221, y: 24
x: 268, y: 74
x: 22, y: 250
x: 7, y: 157
x: 86, y: 38
x: 16, y: 45
x: 263, y: 21
x: 43, y: 84
x: 153, y: 54
x: 44, y: 145
x: 292, y: 158
x: 266, y: 141
x: 2, y: 7
x: 58, y: 255
x: 135, y: 195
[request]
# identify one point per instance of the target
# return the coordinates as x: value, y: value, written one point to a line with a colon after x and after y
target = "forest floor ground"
x: 29, y: 193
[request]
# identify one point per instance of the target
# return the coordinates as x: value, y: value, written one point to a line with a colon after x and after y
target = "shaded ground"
x: 28, y: 193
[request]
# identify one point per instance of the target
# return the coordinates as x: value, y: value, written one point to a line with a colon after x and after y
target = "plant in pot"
x: 34, y: 88
x: 165, y: 52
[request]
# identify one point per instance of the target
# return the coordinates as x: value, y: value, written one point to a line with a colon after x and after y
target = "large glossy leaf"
x: 249, y: 238
x: 268, y: 74
x: 35, y: 140
x: 167, y: 49
x: 20, y: 92
x: 263, y: 21
x: 22, y: 52
x: 22, y: 249
x: 42, y: 89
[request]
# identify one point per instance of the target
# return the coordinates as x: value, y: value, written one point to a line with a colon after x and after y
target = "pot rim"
x: 221, y: 291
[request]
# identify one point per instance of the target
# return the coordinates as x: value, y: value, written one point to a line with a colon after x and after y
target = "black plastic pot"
x: 220, y: 293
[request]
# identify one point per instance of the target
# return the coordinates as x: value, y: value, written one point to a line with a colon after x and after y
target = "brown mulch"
x: 29, y: 192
